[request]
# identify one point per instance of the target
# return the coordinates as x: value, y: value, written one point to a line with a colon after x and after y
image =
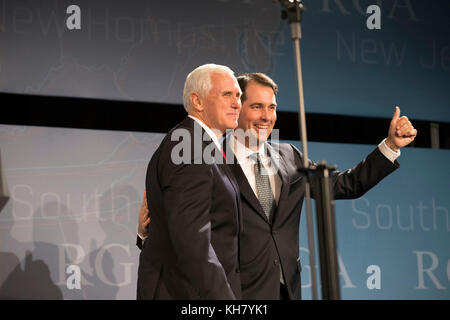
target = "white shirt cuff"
x: 388, y: 152
x: 140, y: 236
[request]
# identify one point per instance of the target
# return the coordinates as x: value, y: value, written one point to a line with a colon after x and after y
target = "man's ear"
x: 196, y: 101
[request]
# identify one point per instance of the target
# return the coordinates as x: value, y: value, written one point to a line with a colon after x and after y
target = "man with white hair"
x: 194, y: 199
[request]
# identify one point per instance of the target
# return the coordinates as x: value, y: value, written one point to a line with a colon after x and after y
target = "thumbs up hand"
x: 401, y: 131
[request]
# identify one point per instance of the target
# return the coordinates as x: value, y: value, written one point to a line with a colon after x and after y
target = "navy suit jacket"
x: 265, y: 244
x: 192, y: 250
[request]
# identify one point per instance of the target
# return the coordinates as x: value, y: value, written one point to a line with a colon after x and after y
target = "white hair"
x: 199, y: 80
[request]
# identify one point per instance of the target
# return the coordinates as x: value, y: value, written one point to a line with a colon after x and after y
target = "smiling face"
x: 258, y: 113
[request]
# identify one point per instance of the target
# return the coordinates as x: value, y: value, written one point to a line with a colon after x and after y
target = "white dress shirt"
x: 243, y: 153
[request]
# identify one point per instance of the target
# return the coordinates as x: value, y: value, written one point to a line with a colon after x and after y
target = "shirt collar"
x: 208, y: 131
x: 241, y: 151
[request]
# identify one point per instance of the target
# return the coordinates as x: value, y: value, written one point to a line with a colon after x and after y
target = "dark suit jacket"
x: 192, y: 250
x: 264, y: 245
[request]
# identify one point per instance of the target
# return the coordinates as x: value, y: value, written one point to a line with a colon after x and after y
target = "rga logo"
x: 75, y: 253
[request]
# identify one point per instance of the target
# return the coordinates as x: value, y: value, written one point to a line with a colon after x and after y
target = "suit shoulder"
x: 285, y: 149
x: 178, y: 133
x: 168, y: 142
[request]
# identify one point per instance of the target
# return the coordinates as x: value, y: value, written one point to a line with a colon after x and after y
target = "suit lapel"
x: 189, y: 122
x: 279, y: 163
x: 246, y: 189
x: 225, y: 169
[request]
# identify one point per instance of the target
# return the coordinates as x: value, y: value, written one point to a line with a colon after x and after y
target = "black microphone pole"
x: 3, y: 192
x: 320, y: 174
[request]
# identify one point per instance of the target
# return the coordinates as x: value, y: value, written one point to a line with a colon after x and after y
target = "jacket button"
x: 275, y: 262
x: 237, y: 270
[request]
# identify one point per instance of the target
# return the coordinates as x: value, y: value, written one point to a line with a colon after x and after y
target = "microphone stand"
x: 3, y: 196
x: 320, y: 175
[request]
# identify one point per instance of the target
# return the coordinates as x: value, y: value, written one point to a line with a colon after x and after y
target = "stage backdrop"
x: 400, y: 227
x: 143, y: 49
x: 75, y: 197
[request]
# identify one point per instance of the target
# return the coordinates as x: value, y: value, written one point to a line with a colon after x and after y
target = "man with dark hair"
x: 258, y: 78
x: 272, y: 189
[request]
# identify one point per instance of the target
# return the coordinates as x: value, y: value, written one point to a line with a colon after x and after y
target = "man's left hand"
x: 401, y: 132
